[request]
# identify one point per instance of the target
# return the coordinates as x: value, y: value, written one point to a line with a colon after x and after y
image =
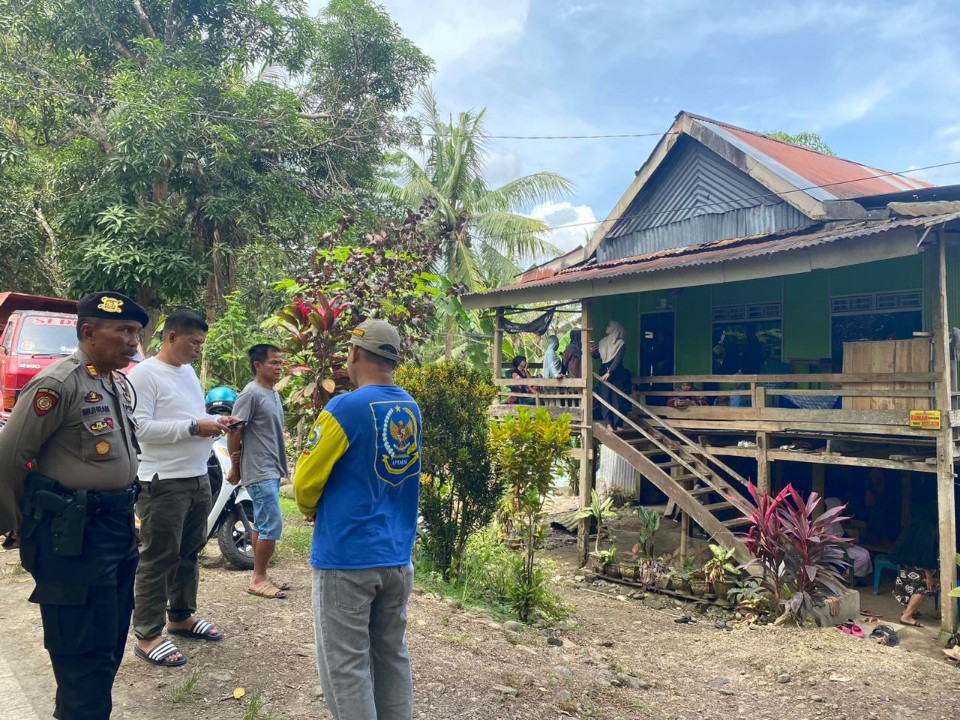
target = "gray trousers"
x: 173, y: 529
x: 360, y: 621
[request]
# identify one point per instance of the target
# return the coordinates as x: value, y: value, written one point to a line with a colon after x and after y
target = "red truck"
x: 37, y: 331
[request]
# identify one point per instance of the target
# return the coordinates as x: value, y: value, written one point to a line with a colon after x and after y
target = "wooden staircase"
x: 682, y: 469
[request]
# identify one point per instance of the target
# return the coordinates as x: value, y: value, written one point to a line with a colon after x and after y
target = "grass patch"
x: 430, y: 581
x: 297, y: 535
x: 644, y: 707
x: 255, y: 709
x: 12, y: 570
x: 182, y: 691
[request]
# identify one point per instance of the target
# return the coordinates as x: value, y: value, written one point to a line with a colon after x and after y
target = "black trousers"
x: 85, y: 603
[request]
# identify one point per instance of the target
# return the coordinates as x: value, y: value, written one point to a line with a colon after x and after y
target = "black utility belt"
x: 50, y: 495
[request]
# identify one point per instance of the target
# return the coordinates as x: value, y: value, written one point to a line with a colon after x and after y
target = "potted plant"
x: 611, y: 567
x: 649, y: 524
x: 720, y: 570
x: 683, y: 575
x: 698, y: 583
x: 599, y: 511
x: 664, y: 573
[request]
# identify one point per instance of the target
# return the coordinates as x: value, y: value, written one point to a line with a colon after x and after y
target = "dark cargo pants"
x: 85, y: 604
x: 173, y: 529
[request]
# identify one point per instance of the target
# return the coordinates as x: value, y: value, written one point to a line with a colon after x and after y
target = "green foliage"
x: 525, y: 448
x: 599, y: 511
x: 225, y: 351
x: 175, y: 134
x: 343, y: 286
x: 649, y: 524
x: 808, y: 140
x: 721, y: 566
x: 458, y: 494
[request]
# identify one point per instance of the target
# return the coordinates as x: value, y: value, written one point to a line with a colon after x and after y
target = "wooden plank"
x: 849, y: 461
x: 586, y: 435
x: 925, y: 392
x: 747, y: 425
x: 574, y: 383
x: 827, y: 417
x: 810, y: 378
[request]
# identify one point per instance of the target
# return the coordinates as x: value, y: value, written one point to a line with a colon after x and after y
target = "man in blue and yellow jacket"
x: 360, y: 479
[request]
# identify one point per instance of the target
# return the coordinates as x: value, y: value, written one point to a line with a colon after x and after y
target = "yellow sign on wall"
x: 925, y: 419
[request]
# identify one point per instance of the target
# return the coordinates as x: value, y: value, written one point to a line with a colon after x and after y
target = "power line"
x: 566, y: 137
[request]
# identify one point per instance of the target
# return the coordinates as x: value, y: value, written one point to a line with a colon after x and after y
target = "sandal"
x: 158, y: 656
x: 913, y: 623
x: 952, y: 653
x: 199, y: 631
x: 268, y: 590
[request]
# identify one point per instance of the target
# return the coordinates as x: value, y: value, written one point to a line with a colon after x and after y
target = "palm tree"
x: 483, y: 236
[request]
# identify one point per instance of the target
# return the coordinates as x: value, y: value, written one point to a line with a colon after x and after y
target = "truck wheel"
x: 234, y: 537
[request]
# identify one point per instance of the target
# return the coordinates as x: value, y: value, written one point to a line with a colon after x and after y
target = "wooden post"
x: 498, y: 345
x: 816, y: 483
x: 684, y: 518
x: 763, y: 465
x: 945, y: 447
x: 586, y: 435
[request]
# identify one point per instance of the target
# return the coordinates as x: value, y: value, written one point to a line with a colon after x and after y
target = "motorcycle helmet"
x: 220, y: 401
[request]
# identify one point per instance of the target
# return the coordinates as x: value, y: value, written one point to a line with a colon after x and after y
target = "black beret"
x: 111, y: 306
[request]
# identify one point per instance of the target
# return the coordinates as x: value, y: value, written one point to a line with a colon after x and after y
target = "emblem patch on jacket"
x: 398, y: 441
x: 45, y: 400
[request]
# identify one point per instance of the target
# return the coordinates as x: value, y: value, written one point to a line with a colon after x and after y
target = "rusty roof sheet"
x: 726, y: 250
x: 834, y: 178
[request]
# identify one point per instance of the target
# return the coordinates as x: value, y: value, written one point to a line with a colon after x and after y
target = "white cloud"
x: 580, y: 222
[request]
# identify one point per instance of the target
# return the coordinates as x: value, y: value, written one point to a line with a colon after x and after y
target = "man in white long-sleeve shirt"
x: 175, y: 435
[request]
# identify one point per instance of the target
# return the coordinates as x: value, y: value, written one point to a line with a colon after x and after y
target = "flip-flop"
x: 684, y: 619
x: 269, y: 591
x: 846, y: 627
x: 856, y: 631
x: 199, y: 631
x: 281, y: 585
x: 952, y: 653
x: 158, y: 656
x: 870, y: 614
x: 912, y: 624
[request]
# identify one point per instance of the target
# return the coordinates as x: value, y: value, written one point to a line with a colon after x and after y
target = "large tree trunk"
x: 147, y: 298
x: 448, y: 347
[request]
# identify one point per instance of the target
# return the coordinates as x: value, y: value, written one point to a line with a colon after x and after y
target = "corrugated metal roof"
x: 838, y: 179
x: 726, y: 250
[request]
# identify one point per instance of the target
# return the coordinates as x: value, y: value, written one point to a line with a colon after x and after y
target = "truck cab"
x: 37, y: 331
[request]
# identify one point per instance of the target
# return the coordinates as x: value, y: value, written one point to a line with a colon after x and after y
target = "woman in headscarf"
x: 917, y: 553
x: 573, y: 355
x: 859, y: 557
x: 520, y: 372
x: 610, y: 351
x: 551, y: 360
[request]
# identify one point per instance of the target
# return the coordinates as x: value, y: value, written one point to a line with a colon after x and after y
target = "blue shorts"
x: 267, y: 518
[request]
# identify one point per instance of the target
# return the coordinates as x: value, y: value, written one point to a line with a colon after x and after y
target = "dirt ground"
x: 617, y: 657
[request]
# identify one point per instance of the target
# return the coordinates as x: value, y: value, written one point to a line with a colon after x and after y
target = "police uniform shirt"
x: 74, y: 426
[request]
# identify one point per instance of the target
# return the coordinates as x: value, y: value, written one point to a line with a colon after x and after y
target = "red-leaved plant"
x: 802, y: 563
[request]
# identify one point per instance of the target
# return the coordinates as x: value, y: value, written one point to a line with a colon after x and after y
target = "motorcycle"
x: 231, y: 513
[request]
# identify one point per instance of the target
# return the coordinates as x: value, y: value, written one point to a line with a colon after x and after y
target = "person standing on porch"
x: 551, y: 360
x: 917, y: 552
x: 610, y: 351
x: 572, y: 358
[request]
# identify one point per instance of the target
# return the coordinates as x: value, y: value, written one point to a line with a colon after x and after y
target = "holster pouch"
x: 68, y: 527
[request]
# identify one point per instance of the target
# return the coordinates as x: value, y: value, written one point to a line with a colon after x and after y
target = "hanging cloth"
x: 538, y: 326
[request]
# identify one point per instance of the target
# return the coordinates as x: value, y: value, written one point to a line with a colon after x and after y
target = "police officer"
x: 68, y: 466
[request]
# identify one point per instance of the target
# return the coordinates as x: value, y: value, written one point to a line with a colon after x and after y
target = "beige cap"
x: 378, y: 337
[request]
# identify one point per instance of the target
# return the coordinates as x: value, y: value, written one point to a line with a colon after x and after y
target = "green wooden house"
x: 808, y: 300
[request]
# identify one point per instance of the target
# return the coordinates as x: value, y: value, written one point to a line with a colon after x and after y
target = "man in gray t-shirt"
x: 260, y: 461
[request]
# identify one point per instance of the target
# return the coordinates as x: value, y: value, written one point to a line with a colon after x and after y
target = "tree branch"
x: 170, y: 25
x: 144, y: 20
x: 117, y: 45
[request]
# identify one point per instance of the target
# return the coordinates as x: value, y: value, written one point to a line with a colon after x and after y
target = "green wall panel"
x: 896, y: 274
x: 806, y: 315
x: 748, y: 291
x: 694, y: 331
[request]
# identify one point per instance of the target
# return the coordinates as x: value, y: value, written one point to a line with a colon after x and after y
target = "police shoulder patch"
x: 45, y: 400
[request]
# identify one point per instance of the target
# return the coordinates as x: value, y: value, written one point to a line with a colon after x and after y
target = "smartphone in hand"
x: 238, y: 423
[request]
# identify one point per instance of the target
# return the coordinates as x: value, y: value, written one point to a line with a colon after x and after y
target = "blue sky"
x: 878, y: 80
